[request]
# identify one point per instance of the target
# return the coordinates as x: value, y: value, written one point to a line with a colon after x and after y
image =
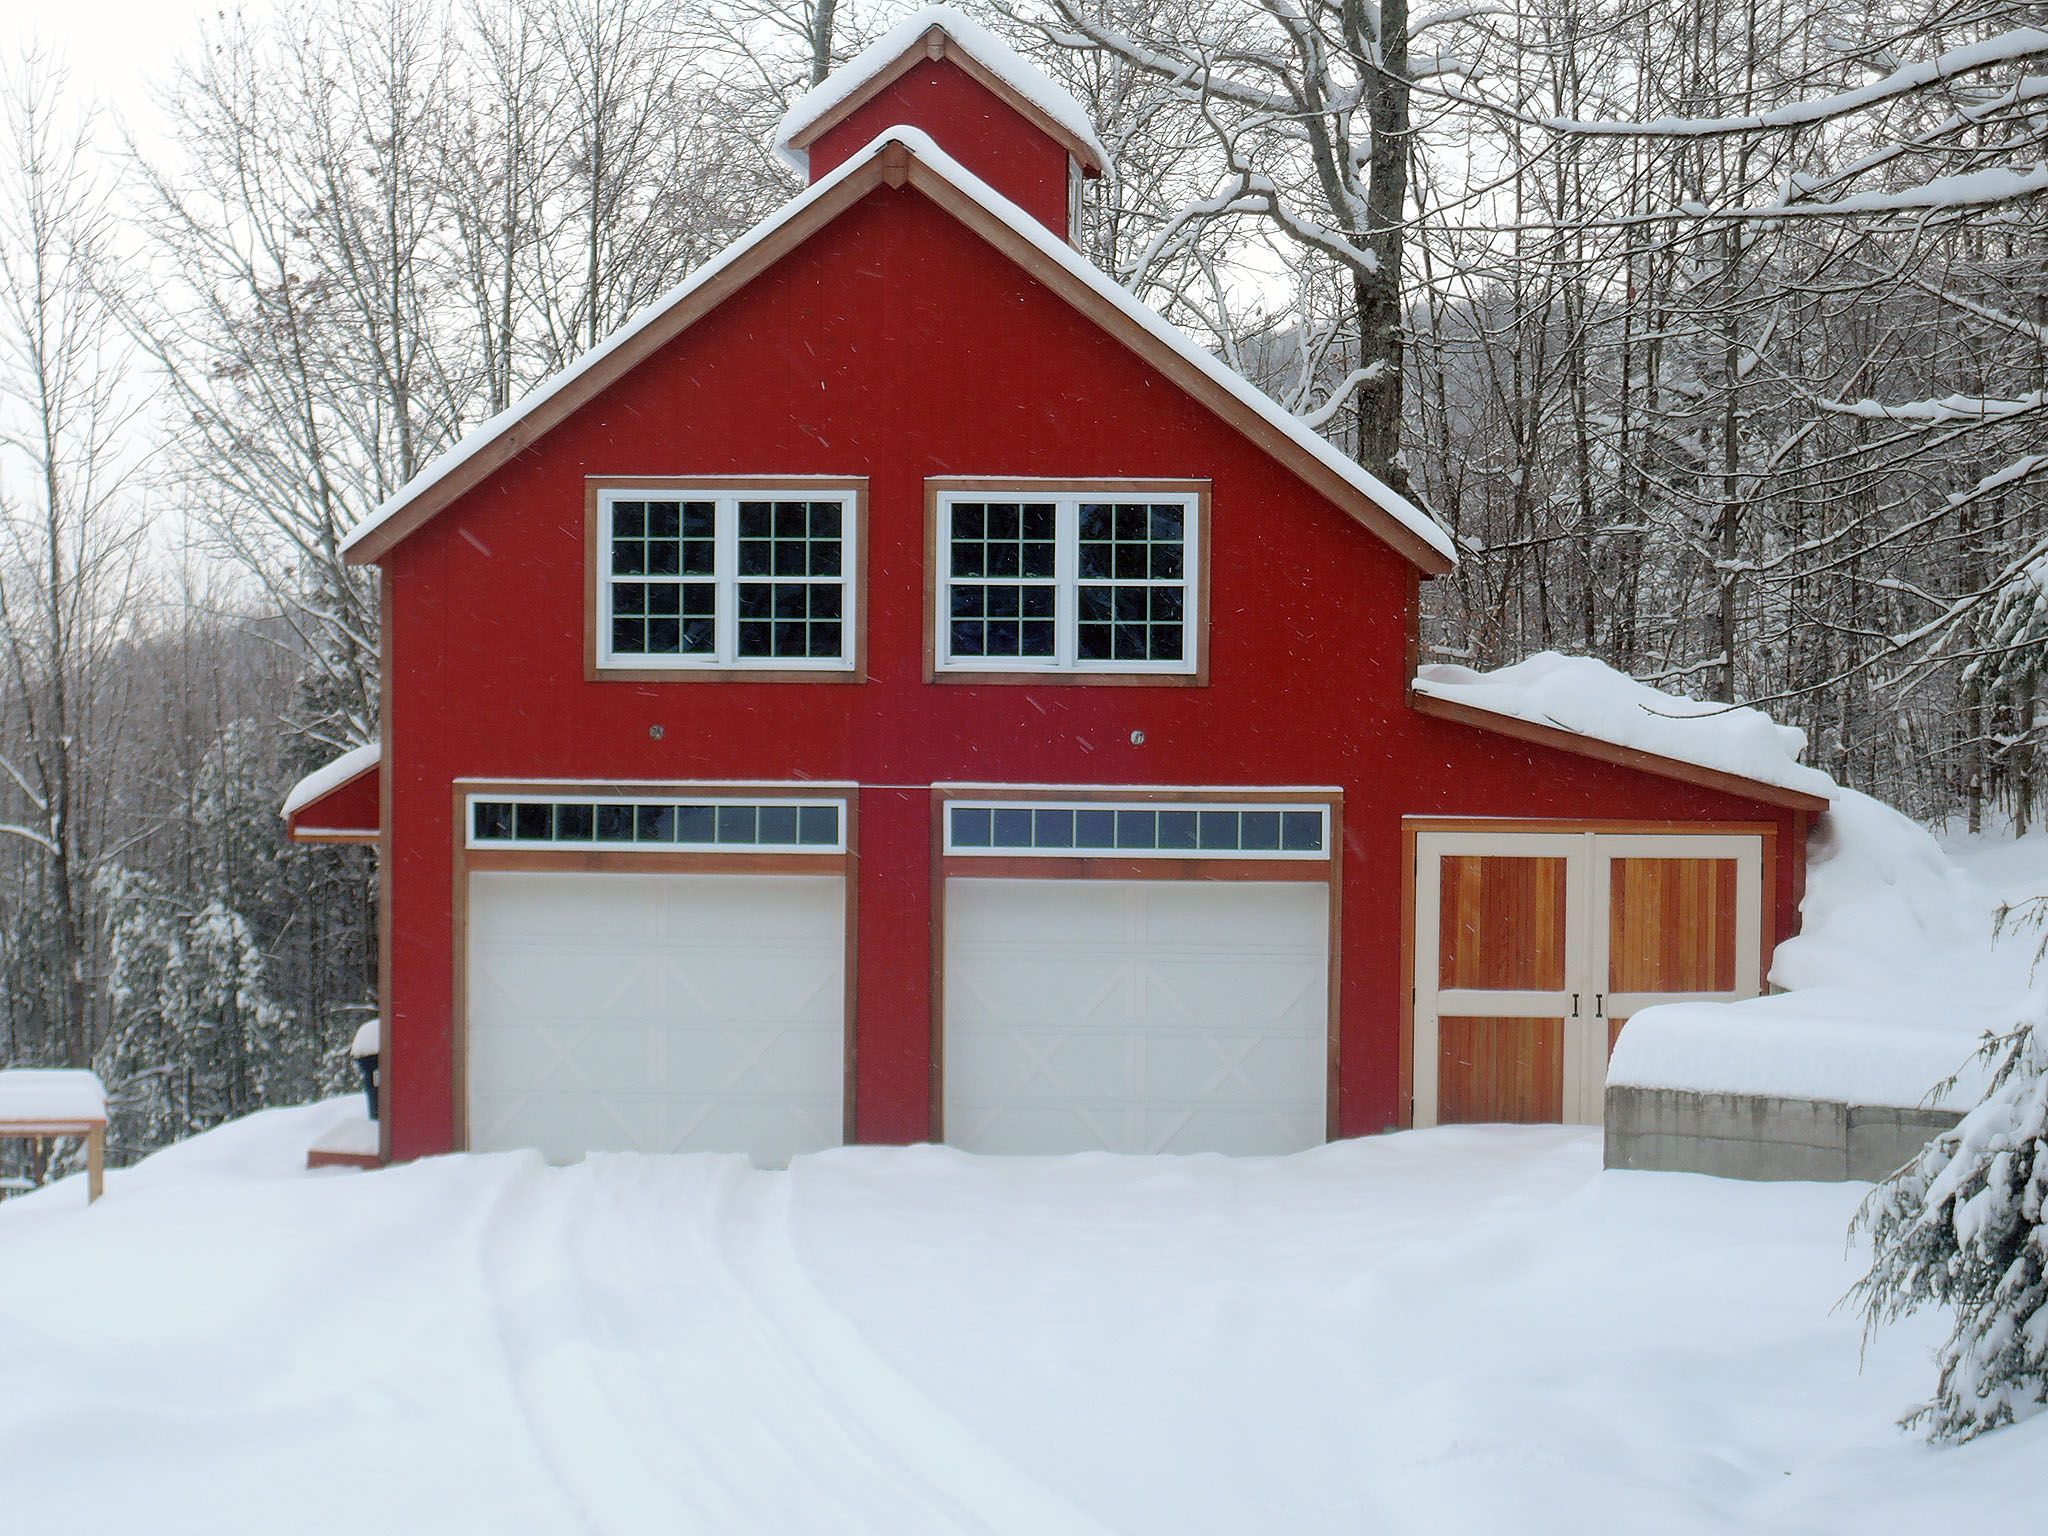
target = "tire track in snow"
x: 679, y: 1373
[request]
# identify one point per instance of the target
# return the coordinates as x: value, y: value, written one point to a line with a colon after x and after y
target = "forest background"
x: 1716, y: 333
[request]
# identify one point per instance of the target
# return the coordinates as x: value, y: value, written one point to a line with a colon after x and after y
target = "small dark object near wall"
x: 367, y: 1065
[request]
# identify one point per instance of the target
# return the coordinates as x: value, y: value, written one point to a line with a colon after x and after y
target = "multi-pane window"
x: 1074, y: 581
x: 1132, y: 580
x: 1003, y: 590
x: 747, y: 579
x: 809, y: 826
x: 1090, y: 829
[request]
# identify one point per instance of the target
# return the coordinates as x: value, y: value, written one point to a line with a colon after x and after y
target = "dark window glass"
x: 1053, y: 829
x: 973, y: 827
x: 1095, y: 829
x: 818, y: 825
x: 778, y: 824
x: 1219, y: 829
x: 1177, y: 829
x: 1012, y: 542
x: 1012, y: 828
x: 696, y: 824
x: 736, y: 823
x: 1259, y: 829
x: 574, y: 823
x: 1137, y: 829
x: 534, y: 823
x: 493, y: 819
x: 615, y: 823
x: 654, y: 824
x: 1301, y: 831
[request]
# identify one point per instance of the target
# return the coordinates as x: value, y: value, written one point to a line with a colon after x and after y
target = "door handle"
x: 1598, y: 998
x: 1575, y: 1005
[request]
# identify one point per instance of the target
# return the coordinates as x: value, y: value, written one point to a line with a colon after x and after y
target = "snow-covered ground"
x: 1436, y: 1332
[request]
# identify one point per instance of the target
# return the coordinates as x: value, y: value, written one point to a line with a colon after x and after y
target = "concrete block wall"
x: 1761, y: 1136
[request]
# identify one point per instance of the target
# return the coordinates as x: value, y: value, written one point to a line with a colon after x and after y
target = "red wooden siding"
x: 896, y: 346
x: 969, y: 122
x: 351, y: 809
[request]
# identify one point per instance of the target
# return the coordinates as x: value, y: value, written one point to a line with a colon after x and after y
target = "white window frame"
x: 1066, y: 581
x: 725, y: 579
x: 567, y: 796
x: 1319, y: 808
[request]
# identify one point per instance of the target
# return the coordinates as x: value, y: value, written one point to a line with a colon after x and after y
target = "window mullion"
x: 725, y: 565
x: 1066, y: 564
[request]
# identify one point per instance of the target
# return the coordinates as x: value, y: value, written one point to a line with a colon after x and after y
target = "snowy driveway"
x: 1449, y: 1331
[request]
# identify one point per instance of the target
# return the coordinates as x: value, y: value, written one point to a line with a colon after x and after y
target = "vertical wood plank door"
x: 1500, y: 932
x: 1532, y: 949
x: 1508, y: 1070
x: 1680, y: 919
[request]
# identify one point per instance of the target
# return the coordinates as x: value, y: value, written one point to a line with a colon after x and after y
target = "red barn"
x: 899, y: 688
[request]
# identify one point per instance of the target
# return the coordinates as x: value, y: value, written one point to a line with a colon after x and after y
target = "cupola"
x: 982, y: 102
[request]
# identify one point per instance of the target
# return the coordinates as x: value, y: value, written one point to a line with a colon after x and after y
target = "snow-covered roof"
x: 1023, y: 226
x: 1589, y: 698
x: 976, y: 41
x: 351, y: 764
x: 41, y: 1096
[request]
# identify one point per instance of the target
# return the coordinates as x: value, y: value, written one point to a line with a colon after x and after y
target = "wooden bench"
x: 37, y: 1103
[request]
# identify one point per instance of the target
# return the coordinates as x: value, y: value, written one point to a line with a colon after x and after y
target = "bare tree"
x: 68, y: 536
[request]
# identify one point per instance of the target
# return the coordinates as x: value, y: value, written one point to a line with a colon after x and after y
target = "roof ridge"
x: 1019, y: 225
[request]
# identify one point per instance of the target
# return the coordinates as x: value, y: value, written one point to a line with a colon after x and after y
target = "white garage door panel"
x: 656, y: 1013
x: 1155, y: 1016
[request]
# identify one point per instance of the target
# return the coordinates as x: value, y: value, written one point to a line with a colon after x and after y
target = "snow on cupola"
x: 979, y: 99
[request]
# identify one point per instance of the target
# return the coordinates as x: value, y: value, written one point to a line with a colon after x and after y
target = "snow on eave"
x: 1024, y: 226
x: 325, y: 780
x: 1585, y: 697
x: 976, y: 41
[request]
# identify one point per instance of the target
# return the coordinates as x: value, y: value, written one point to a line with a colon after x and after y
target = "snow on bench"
x: 37, y: 1102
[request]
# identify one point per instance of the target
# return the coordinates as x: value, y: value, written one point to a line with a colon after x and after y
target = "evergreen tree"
x: 1962, y: 1226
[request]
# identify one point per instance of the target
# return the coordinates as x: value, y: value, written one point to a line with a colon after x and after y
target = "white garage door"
x: 656, y: 1013
x: 1136, y: 1016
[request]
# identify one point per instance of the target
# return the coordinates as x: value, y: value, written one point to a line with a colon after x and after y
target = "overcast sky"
x: 114, y: 48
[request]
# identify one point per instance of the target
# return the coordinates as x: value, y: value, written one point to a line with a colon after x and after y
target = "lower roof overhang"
x: 1614, y: 752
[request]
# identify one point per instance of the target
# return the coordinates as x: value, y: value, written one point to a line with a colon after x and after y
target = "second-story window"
x: 723, y: 578
x: 1092, y: 580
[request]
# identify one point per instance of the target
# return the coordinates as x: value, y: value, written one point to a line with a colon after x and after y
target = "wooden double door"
x: 1532, y: 949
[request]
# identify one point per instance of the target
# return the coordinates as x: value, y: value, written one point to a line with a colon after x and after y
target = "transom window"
x: 610, y: 821
x: 739, y: 579
x: 1091, y: 828
x: 1074, y: 581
